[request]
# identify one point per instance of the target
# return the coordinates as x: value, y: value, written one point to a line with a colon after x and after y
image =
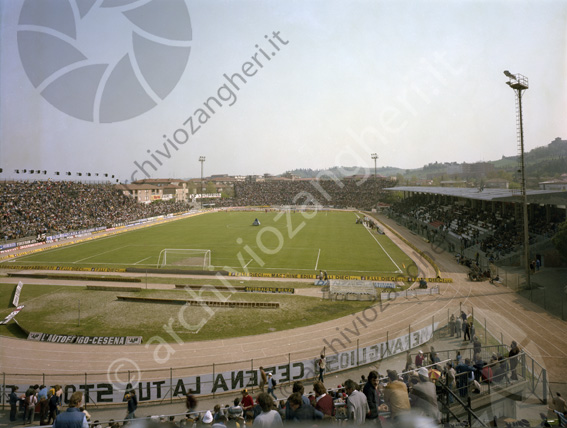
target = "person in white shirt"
x: 269, y: 418
x: 357, y: 404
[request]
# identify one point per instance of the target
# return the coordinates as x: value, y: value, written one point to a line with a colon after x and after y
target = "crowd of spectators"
x: 32, y: 209
x: 364, y: 193
x: 497, y: 234
x: 425, y: 384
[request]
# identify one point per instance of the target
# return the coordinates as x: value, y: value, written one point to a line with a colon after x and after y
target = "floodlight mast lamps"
x: 202, y: 160
x: 374, y: 156
x: 519, y: 84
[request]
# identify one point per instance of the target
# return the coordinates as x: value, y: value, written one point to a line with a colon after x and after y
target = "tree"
x: 560, y: 238
x: 211, y: 188
x: 228, y: 192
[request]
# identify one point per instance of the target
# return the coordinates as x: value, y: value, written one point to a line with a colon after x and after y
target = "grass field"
x: 101, y: 313
x: 283, y: 243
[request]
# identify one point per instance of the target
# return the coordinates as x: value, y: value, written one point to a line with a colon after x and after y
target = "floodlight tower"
x: 202, y: 160
x: 519, y: 84
x: 374, y: 156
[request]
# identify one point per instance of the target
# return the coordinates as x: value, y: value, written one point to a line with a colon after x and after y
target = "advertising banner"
x: 338, y: 359
x: 16, y: 300
x: 12, y: 315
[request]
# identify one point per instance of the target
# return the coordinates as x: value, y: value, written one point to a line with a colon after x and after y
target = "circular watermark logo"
x: 104, y: 61
x: 123, y: 373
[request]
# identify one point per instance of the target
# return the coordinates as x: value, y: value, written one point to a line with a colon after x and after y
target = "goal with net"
x: 184, y: 257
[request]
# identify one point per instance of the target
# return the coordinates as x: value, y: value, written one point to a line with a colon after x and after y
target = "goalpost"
x: 184, y: 257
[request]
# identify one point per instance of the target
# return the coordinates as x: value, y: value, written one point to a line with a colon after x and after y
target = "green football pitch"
x: 284, y: 242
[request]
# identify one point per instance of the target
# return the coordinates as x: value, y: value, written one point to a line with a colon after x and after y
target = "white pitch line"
x: 317, y: 262
x: 247, y: 263
x: 383, y: 249
x: 140, y: 261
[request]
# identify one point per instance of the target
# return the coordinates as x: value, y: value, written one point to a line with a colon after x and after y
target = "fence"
x: 512, y: 280
x: 169, y: 384
x: 552, y: 297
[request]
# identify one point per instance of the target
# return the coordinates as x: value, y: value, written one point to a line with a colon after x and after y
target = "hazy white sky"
x: 414, y: 81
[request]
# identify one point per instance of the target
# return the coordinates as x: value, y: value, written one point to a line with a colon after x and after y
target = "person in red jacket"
x: 323, y: 401
x: 247, y: 402
x: 419, y: 359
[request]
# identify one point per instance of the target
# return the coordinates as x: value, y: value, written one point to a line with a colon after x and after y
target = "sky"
x: 144, y: 88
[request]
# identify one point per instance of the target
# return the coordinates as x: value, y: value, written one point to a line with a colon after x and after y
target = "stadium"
x: 164, y: 299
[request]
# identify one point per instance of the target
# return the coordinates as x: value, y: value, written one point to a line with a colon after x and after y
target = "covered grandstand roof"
x: 551, y: 197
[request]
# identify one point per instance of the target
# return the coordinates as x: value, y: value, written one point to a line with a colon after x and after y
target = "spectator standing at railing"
x: 559, y: 403
x: 478, y: 365
x: 43, y: 404
x: 450, y: 379
x: 299, y: 388
x: 269, y: 417
x: 423, y: 396
x: 477, y: 345
x: 371, y: 391
x: 463, y: 370
x: 132, y: 404
x: 419, y: 359
x: 396, y: 395
x: 14, y: 403
x: 300, y: 411
x: 54, y: 403
x: 467, y: 329
x: 513, y: 356
x: 409, y: 361
x: 263, y: 379
x: 324, y: 402
x: 459, y: 326
x: 357, y: 404
x: 73, y: 417
x: 472, y: 330
x: 31, y: 402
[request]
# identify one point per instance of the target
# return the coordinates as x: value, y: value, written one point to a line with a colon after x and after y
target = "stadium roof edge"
x: 549, y: 197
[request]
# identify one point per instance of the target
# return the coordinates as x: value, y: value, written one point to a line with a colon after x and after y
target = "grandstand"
x: 484, y: 221
x: 32, y: 210
x: 362, y: 194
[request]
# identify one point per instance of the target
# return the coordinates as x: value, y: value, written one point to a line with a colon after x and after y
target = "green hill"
x: 542, y: 162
